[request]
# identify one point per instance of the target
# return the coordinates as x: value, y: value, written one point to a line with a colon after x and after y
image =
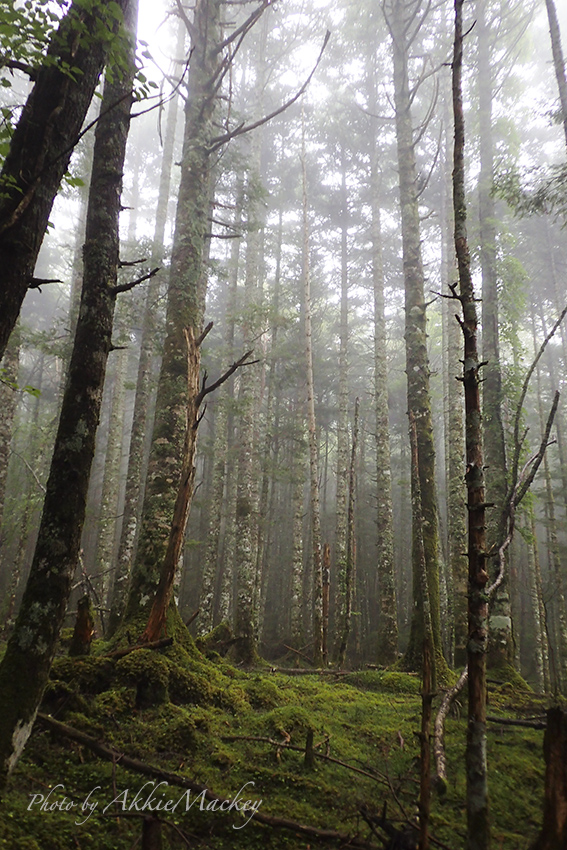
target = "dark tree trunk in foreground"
x: 478, y: 828
x: 41, y: 148
x: 553, y: 835
x: 26, y: 664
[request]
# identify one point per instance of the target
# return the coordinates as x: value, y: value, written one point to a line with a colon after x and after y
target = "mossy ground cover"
x: 182, y: 712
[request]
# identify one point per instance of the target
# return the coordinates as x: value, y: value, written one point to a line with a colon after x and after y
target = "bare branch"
x: 125, y: 287
x: 220, y: 140
x: 225, y: 376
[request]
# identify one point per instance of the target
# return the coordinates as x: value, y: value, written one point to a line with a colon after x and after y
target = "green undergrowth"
x: 196, y: 716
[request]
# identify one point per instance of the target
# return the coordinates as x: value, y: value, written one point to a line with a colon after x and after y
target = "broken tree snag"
x: 156, y: 622
x: 309, y: 753
x: 84, y: 628
x: 553, y: 835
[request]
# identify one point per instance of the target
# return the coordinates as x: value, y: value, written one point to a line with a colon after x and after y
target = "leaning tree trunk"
x: 41, y: 147
x: 26, y: 664
x: 478, y: 826
x: 417, y: 361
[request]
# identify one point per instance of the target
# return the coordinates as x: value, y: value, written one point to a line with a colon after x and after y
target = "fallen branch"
x: 170, y: 778
x: 509, y: 721
x: 285, y: 746
x: 156, y: 644
x: 301, y: 654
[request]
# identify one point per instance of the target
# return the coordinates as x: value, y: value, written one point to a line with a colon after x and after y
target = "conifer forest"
x: 283, y: 428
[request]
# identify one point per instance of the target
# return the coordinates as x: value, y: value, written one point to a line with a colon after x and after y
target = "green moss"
x: 385, y: 680
x: 263, y: 693
x: 149, y: 672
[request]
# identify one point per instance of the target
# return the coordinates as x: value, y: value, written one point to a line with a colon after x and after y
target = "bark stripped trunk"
x: 157, y: 619
x: 402, y: 13
x: 41, y: 148
x: 478, y: 827
x: 26, y: 664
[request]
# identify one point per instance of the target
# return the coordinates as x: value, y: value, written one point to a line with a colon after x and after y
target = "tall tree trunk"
x: 136, y: 452
x: 316, y: 565
x: 417, y: 361
x: 387, y: 649
x: 340, y: 571
x: 455, y: 437
x: 478, y: 825
x: 26, y: 664
x: 185, y: 309
x: 41, y: 147
x: 501, y: 650
x: 351, y: 544
x: 558, y: 61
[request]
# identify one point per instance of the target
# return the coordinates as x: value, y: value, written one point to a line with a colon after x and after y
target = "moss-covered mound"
x: 243, y: 736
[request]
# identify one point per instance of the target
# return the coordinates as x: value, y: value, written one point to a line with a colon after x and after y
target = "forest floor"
x: 178, y: 711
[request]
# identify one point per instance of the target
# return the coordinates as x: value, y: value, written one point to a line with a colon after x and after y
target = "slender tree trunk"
x: 136, y: 452
x: 351, y: 544
x: 316, y: 568
x: 387, y: 649
x: 558, y: 61
x: 417, y: 361
x: 340, y: 560
x: 501, y: 650
x: 9, y: 367
x: 478, y: 825
x: 553, y: 835
x: 26, y: 664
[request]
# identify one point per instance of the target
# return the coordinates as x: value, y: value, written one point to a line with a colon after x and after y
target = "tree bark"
x: 41, y: 148
x: 26, y: 664
x: 558, y: 61
x: 478, y: 826
x: 553, y: 835
x: 417, y: 361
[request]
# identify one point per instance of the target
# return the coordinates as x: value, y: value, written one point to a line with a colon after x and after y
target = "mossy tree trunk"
x: 185, y: 308
x: 400, y: 13
x: 41, y: 147
x: 136, y: 453
x: 26, y: 664
x: 478, y: 825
